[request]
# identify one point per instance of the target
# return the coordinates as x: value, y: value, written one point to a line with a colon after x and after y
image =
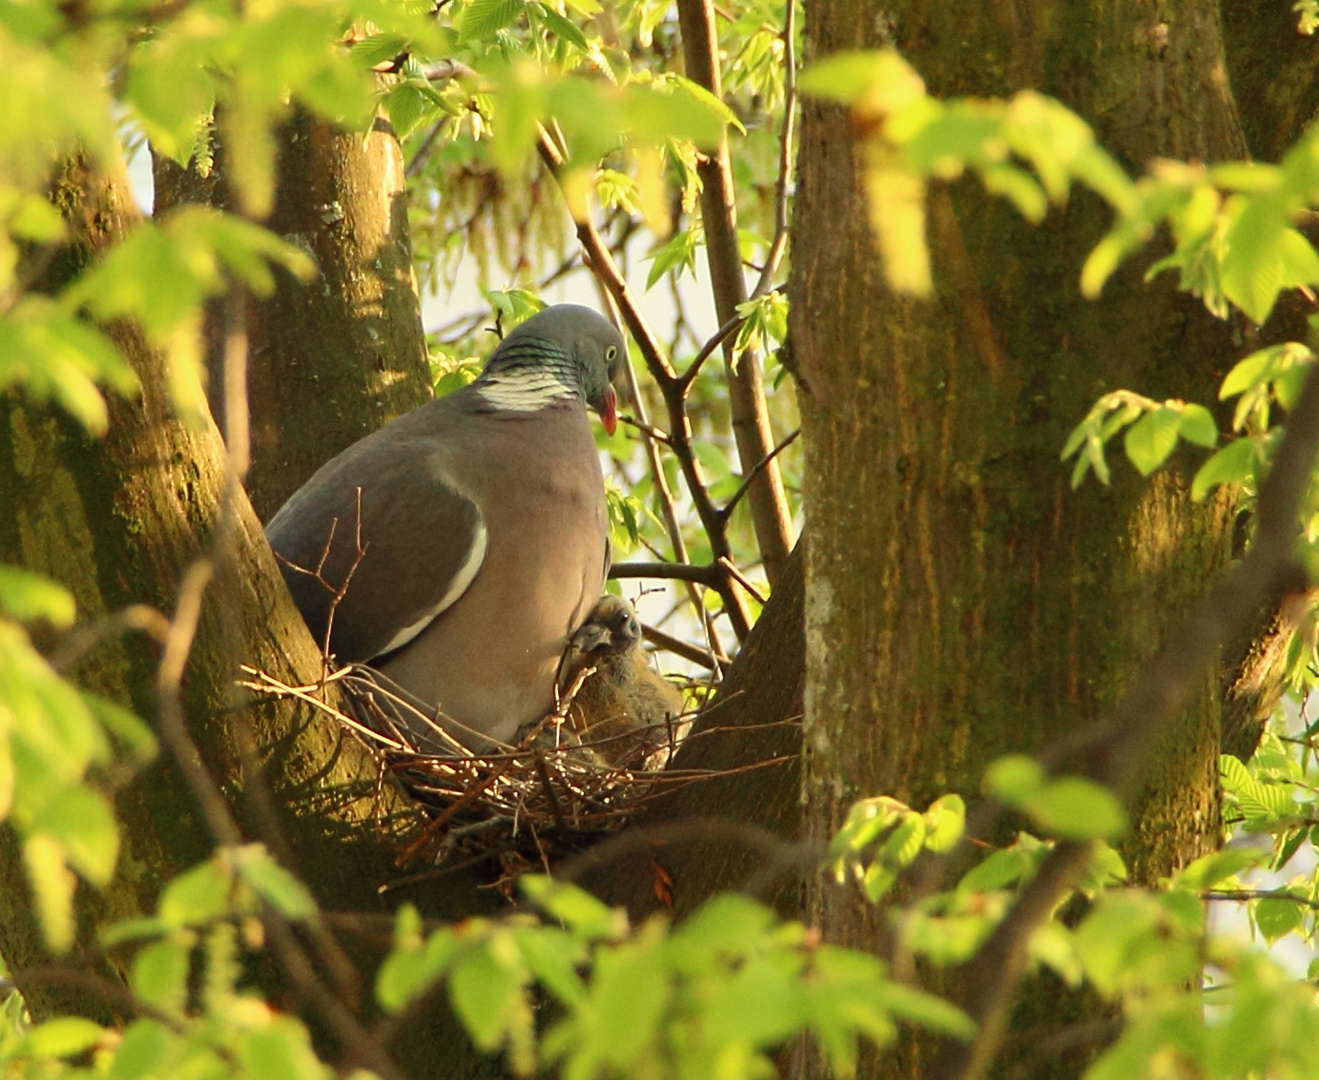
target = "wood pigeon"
x: 625, y: 711
x: 468, y: 538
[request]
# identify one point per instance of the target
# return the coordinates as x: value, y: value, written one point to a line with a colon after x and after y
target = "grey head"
x: 579, y: 347
x: 610, y: 630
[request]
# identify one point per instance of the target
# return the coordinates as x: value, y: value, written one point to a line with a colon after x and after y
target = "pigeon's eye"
x: 610, y: 353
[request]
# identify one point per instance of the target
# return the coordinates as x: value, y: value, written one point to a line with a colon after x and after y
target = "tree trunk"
x: 118, y: 521
x: 334, y: 358
x: 961, y: 602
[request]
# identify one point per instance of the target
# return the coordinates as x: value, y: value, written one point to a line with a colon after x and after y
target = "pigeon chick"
x: 624, y: 711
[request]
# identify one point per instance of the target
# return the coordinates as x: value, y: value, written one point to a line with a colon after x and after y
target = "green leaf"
x: 1263, y: 258
x: 1234, y: 463
x: 618, y: 1026
x: 1004, y: 867
x: 1232, y: 772
x: 1277, y: 916
x: 410, y: 968
x: 28, y: 597
x: 1152, y: 438
x: 486, y: 988
x: 52, y: 886
x: 482, y: 18
x: 280, y: 1051
x: 928, y: 1011
x: 1078, y: 808
x: 141, y: 1051
x: 677, y: 253
x: 552, y: 957
x: 521, y: 100
x: 895, y: 198
x: 880, y: 81
x: 1198, y: 425
x: 1019, y: 188
x: 1209, y: 870
x: 1015, y: 779
x: 275, y: 885
x: 407, y: 106
x: 378, y: 48
x: 1249, y: 372
x: 85, y: 825
x: 946, y: 821
x: 196, y: 896
x: 1266, y: 802
x: 63, y: 1037
x: 160, y: 976
x: 575, y: 908
x: 565, y: 28
x: 137, y: 744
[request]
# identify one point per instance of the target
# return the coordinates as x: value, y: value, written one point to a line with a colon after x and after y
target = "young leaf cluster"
x: 713, y: 996
x: 62, y: 752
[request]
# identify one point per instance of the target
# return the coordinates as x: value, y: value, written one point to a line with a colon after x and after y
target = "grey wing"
x: 421, y: 542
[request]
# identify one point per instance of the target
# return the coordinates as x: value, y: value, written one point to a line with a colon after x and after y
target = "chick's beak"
x: 609, y: 410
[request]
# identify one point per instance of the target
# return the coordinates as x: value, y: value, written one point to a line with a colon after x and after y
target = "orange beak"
x: 609, y: 410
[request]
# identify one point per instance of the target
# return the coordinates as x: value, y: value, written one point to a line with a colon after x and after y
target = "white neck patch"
x: 524, y: 390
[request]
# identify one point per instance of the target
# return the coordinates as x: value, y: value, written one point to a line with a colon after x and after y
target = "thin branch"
x: 664, y: 494
x: 1242, y: 896
x: 727, y: 511
x: 708, y: 349
x: 641, y: 424
x: 678, y: 647
x: 709, y: 576
x: 83, y: 638
x: 746, y: 392
x: 1115, y: 752
x: 742, y: 579
x: 604, y: 266
x: 783, y: 182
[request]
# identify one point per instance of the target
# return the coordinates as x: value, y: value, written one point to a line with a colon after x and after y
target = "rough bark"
x: 118, y: 521
x: 1272, y: 67
x: 335, y: 358
x: 961, y: 601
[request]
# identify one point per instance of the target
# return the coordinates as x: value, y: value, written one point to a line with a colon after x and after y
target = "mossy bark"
x: 334, y: 358
x: 118, y: 521
x: 961, y: 601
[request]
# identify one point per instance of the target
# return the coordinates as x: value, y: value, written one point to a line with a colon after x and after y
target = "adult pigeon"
x: 467, y: 540
x: 625, y: 712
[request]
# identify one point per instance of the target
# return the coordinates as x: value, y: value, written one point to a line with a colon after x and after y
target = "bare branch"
x: 741, y: 579
x: 606, y: 270
x: 707, y: 350
x: 727, y: 511
x: 751, y: 427
x: 783, y: 182
x: 678, y: 647
x: 709, y: 576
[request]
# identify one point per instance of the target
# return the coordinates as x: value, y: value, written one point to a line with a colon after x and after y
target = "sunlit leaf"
x: 1234, y: 463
